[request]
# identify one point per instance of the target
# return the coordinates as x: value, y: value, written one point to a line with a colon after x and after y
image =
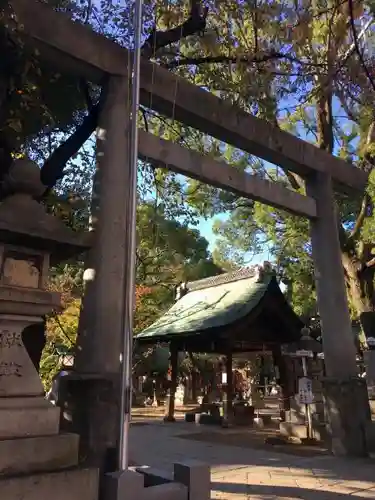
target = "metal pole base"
x: 169, y: 418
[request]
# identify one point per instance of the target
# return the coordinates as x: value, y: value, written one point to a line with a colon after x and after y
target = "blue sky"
x: 205, y: 226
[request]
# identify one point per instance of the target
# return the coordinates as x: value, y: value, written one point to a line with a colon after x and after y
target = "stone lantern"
x: 30, y: 239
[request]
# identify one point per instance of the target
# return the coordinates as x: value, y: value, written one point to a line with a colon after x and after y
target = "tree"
x: 297, y: 67
x: 31, y: 108
x: 293, y: 64
x: 168, y: 252
x: 61, y: 328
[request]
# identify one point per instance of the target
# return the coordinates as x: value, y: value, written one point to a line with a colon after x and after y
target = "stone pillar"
x: 99, y: 343
x: 347, y: 428
x: 169, y: 417
x: 196, y: 476
x: 121, y: 485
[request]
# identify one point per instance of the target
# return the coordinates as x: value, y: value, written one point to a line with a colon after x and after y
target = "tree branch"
x: 53, y: 169
x: 196, y: 23
x: 371, y: 262
x: 356, y: 44
x: 250, y: 59
x: 88, y: 12
x: 360, y: 219
x: 144, y: 114
x: 295, y: 180
x: 84, y: 88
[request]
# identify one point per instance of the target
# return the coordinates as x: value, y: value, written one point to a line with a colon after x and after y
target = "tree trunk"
x: 325, y: 121
x: 360, y: 283
x: 359, y: 278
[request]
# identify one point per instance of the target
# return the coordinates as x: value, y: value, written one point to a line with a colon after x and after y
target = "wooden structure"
x: 74, y: 48
x: 242, y: 311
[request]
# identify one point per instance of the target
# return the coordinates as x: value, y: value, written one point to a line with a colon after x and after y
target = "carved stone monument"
x: 30, y: 442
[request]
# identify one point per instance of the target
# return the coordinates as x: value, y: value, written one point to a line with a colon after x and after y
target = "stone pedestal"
x: 296, y: 418
x: 30, y: 442
x: 297, y: 412
x: 23, y: 409
x: 78, y: 484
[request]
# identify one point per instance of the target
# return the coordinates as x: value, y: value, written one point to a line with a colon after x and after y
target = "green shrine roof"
x: 212, y: 303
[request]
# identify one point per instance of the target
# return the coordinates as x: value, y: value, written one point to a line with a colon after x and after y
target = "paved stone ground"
x: 239, y: 474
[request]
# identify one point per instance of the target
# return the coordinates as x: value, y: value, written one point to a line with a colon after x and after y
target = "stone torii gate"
x: 77, y: 49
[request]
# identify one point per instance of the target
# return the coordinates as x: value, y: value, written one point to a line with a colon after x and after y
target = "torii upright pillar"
x: 345, y: 394
x: 100, y: 335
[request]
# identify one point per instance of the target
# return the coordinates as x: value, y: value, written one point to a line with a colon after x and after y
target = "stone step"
x: 29, y: 421
x: 35, y: 454
x: 74, y: 484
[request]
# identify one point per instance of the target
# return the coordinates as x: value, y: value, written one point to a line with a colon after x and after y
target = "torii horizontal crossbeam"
x: 93, y: 56
x: 167, y: 154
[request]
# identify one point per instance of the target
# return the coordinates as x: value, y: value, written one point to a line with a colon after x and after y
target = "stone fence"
x: 190, y: 481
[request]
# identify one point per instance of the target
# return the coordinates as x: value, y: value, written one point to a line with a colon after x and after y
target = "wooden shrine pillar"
x: 345, y: 394
x: 172, y: 375
x: 194, y: 383
x: 228, y: 390
x: 283, y: 381
x: 100, y: 335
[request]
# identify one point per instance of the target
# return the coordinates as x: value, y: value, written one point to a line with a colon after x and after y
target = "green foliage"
x: 168, y: 252
x: 37, y: 97
x: 284, y: 62
x: 61, y: 333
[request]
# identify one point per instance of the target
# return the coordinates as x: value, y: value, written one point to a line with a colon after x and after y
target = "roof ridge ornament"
x: 180, y: 290
x: 263, y: 270
x: 257, y: 272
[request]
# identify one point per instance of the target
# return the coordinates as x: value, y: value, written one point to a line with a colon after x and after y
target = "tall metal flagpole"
x: 129, y: 277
